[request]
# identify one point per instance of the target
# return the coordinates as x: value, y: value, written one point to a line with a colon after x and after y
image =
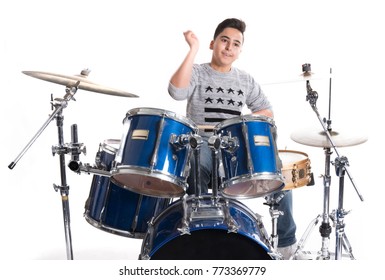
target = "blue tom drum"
x: 251, y: 164
x: 153, y: 158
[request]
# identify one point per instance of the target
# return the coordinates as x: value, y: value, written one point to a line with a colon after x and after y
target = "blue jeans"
x: 286, y: 227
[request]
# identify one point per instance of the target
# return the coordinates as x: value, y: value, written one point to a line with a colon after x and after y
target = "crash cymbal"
x: 70, y: 81
x: 310, y: 137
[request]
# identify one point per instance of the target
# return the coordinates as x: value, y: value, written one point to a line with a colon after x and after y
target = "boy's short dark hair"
x: 230, y: 22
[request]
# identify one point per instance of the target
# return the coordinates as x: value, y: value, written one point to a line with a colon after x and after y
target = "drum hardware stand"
x: 79, y: 167
x: 339, y: 214
x: 61, y: 149
x: 217, y: 143
x: 273, y: 202
x: 196, y: 143
x: 325, y: 229
x: 214, y: 144
x: 213, y: 210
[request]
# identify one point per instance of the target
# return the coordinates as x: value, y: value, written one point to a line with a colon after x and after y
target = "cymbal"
x: 70, y: 81
x: 314, y: 138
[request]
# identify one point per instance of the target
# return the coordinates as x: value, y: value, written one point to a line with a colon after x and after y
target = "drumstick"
x: 206, y: 127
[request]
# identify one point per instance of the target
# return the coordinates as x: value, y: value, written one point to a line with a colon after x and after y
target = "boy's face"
x: 226, y: 48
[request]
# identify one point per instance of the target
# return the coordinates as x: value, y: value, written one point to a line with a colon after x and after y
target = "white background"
x: 136, y: 46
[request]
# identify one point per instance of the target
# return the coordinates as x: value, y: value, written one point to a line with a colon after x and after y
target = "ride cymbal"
x: 314, y: 138
x: 70, y: 81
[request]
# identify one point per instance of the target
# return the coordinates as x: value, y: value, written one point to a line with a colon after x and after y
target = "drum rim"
x: 109, y: 229
x: 239, y: 119
x: 299, y: 162
x: 148, y: 172
x: 107, y: 147
x: 245, y: 178
x: 159, y: 112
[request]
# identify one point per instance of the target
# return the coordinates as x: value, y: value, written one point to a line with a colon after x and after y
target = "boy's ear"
x: 212, y: 45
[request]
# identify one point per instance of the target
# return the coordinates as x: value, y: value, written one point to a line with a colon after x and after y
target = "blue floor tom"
x: 114, y: 209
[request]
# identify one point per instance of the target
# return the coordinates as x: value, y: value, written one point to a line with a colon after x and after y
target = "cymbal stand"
x: 61, y: 149
x: 325, y: 229
x: 340, y: 213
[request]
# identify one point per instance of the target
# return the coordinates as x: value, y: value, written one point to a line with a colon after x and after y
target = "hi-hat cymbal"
x: 306, y: 76
x: 70, y: 81
x: 310, y: 137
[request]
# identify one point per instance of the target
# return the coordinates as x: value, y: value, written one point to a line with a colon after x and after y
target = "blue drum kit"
x: 139, y: 184
x: 143, y: 194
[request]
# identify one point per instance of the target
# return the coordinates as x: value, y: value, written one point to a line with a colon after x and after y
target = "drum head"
x: 253, y: 186
x: 211, y: 244
x: 160, y: 112
x: 203, y: 229
x: 289, y: 157
x: 241, y: 119
x: 150, y: 184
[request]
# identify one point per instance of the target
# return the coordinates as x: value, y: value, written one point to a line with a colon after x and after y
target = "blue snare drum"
x: 114, y: 209
x: 250, y: 160
x: 152, y: 160
x: 204, y: 229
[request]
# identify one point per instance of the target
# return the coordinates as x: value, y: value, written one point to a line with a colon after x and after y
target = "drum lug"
x: 294, y: 174
x: 309, y: 174
x: 232, y: 225
x: 147, y: 244
x: 230, y: 144
x: 179, y: 142
x: 185, y: 229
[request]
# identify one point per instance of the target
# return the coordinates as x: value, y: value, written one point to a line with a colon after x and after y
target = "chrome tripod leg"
x: 325, y: 228
x: 348, y: 248
x: 302, y: 241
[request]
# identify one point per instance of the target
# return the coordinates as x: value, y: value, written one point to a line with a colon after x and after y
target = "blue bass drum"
x: 153, y: 158
x: 206, y: 228
x: 251, y: 164
x: 114, y: 209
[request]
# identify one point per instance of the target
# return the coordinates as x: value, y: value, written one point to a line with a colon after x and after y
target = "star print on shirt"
x: 208, y: 100
x: 230, y: 101
x: 220, y: 100
x: 220, y: 90
x: 209, y: 89
x: 240, y: 104
x: 230, y: 90
x: 240, y: 92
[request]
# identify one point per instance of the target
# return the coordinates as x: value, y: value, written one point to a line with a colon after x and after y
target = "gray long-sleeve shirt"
x: 215, y: 96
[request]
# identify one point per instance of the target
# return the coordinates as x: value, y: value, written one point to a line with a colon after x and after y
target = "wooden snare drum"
x: 296, y: 169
